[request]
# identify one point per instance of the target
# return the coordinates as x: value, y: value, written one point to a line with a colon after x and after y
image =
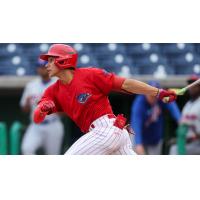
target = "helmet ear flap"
x: 66, y: 62
x: 61, y: 63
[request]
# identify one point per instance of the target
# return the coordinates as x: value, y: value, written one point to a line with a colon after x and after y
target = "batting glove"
x: 166, y: 96
x: 44, y: 108
x: 47, y: 106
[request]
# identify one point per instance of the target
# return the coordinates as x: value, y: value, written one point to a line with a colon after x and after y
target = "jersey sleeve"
x: 103, y: 80
x: 49, y: 95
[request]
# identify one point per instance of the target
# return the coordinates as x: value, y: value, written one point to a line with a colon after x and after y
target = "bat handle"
x: 180, y: 92
x: 165, y: 99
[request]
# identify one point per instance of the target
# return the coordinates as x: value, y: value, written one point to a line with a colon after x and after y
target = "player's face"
x: 194, y: 91
x: 51, y: 67
x: 42, y: 71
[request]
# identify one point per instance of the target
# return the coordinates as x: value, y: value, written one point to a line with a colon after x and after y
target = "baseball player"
x: 82, y: 93
x: 191, y: 118
x: 49, y: 133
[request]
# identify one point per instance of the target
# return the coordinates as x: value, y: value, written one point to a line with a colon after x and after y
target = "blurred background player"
x: 191, y: 118
x: 148, y: 123
x: 49, y: 134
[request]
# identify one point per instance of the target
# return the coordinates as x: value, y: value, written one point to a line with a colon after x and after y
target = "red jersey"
x: 85, y: 98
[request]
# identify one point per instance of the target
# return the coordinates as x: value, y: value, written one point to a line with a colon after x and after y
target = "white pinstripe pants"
x: 103, y: 139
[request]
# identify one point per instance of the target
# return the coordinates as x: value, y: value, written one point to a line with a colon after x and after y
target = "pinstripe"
x: 129, y: 146
x: 94, y: 131
x: 106, y: 147
x: 99, y: 131
x: 120, y: 138
x: 95, y: 138
x: 88, y: 146
x: 125, y: 143
x: 75, y: 147
x: 79, y: 147
x: 120, y: 152
x: 79, y: 142
x: 106, y: 133
x: 116, y: 143
x: 102, y: 140
x: 130, y: 151
x: 124, y: 148
x: 112, y: 149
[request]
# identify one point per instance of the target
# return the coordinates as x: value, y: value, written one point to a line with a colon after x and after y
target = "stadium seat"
x: 116, y: 60
x: 197, y: 47
x: 186, y: 63
x: 151, y: 59
x: 154, y: 64
x: 118, y: 63
x: 140, y: 50
x: 157, y: 70
x: 127, y: 71
x: 15, y: 65
x: 10, y: 49
x: 184, y: 59
x: 136, y: 58
x: 105, y: 51
x: 82, y: 48
x: 87, y: 60
x: 190, y: 69
x: 35, y: 49
x: 32, y: 51
x: 176, y: 49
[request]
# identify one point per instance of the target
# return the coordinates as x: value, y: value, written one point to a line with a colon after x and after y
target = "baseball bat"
x: 183, y: 90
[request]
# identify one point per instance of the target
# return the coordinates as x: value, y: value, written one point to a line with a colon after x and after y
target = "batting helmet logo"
x: 65, y: 56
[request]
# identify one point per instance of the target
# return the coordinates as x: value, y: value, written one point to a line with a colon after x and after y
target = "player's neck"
x: 66, y: 76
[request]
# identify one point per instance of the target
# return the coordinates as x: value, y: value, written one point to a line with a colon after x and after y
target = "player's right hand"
x: 47, y: 106
x: 166, y: 96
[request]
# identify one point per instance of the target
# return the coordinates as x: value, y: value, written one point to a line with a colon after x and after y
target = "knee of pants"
x: 27, y: 150
x: 173, y: 150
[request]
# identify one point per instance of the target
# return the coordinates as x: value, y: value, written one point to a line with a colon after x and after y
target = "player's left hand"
x: 47, y: 106
x: 162, y: 94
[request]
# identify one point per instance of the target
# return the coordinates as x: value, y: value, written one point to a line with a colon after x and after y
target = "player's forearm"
x: 38, y: 116
x: 138, y: 87
x: 27, y: 106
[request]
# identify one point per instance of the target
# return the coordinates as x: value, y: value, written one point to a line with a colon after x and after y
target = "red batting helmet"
x: 65, y: 56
